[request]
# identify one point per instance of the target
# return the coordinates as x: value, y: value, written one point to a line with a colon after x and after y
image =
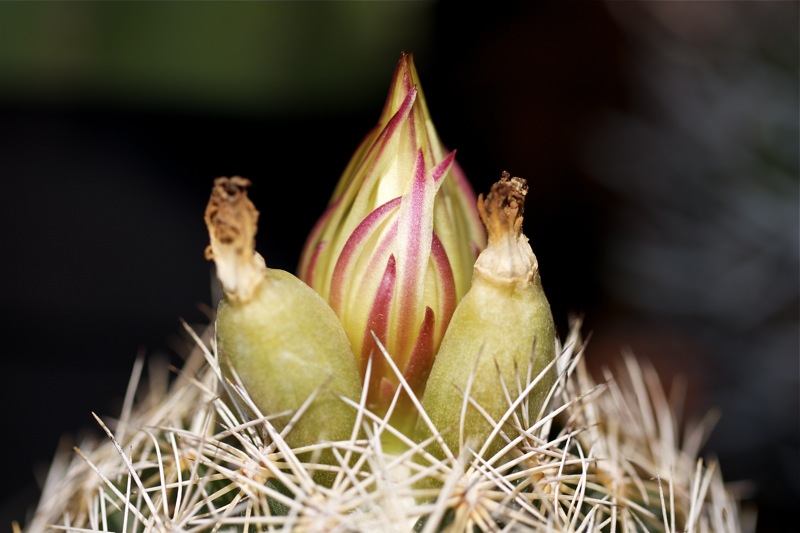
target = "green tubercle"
x: 503, y: 323
x: 283, y: 340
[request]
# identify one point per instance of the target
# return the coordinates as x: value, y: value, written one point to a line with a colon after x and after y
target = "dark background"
x: 660, y: 140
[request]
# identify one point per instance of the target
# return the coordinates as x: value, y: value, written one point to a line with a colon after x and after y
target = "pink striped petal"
x: 414, y: 238
x: 378, y: 322
x: 445, y: 284
x: 421, y: 359
x: 441, y: 170
x: 342, y: 272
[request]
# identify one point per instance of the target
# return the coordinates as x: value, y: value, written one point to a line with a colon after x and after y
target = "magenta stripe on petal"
x: 353, y: 247
x: 387, y: 392
x: 363, y: 275
x: 414, y: 244
x: 307, y: 274
x: 392, y: 127
x: 440, y: 170
x: 397, y: 119
x: 350, y: 181
x: 446, y: 285
x: 364, y: 171
x: 378, y: 322
x: 421, y: 359
x: 415, y: 209
x: 381, y: 249
x: 401, y: 82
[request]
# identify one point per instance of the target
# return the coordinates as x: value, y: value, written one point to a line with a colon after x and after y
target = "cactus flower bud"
x: 503, y: 323
x: 280, y: 336
x: 393, y: 252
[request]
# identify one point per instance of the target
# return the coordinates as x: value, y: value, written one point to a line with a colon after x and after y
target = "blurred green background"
x: 251, y: 58
x: 660, y: 140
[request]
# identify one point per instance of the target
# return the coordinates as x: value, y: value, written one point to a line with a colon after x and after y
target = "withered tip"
x: 501, y: 210
x: 230, y: 215
x: 232, y: 222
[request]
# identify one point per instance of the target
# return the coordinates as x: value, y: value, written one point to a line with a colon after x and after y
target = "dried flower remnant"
x: 501, y: 331
x: 393, y: 253
x: 283, y: 340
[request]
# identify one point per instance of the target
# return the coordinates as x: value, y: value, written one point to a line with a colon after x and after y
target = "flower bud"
x: 280, y: 336
x: 394, y: 250
x: 503, y: 324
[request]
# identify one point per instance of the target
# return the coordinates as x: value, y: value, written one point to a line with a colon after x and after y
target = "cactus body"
x: 501, y: 327
x: 285, y: 343
x: 495, y: 327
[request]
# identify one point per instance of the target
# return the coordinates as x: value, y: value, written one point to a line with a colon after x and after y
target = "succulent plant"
x: 606, y: 457
x: 296, y: 410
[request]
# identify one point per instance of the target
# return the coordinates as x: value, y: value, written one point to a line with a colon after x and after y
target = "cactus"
x: 245, y: 439
x: 606, y: 457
